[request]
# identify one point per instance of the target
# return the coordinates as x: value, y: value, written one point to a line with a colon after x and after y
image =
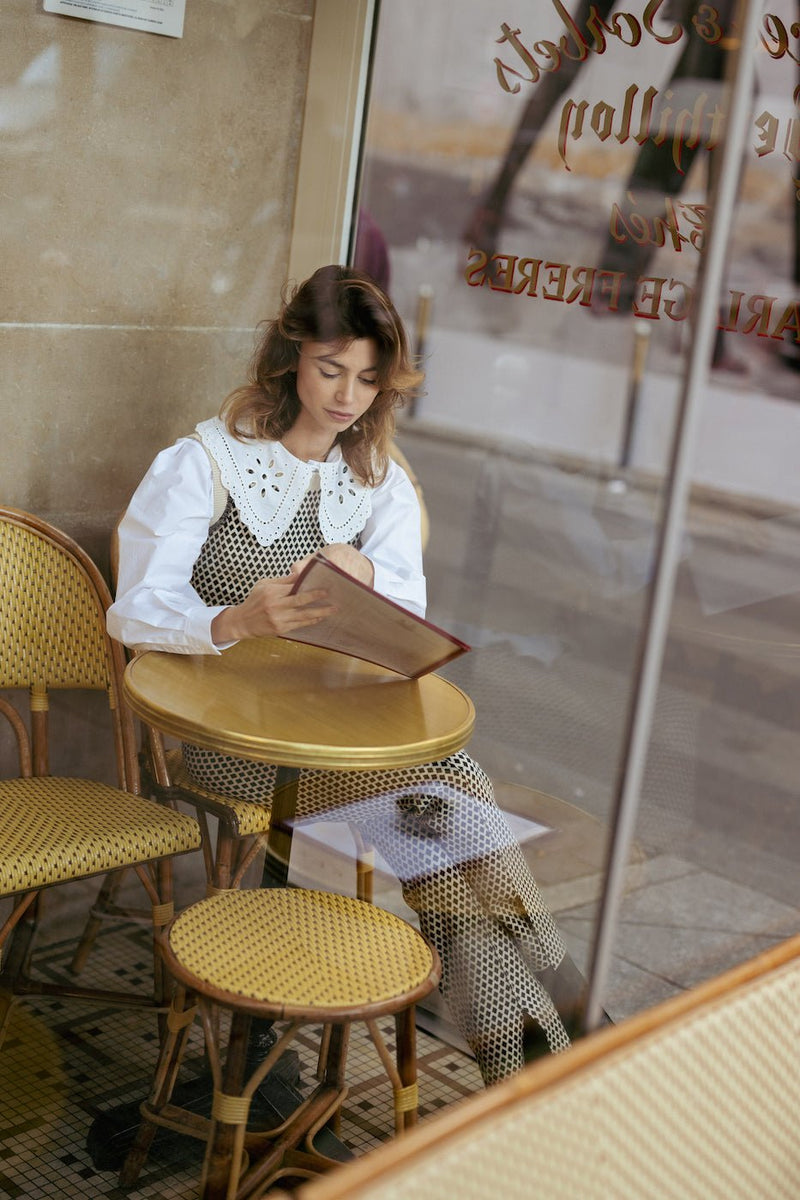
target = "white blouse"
x: 167, y: 522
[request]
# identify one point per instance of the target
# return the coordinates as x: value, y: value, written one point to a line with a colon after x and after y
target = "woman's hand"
x: 347, y: 558
x: 270, y: 610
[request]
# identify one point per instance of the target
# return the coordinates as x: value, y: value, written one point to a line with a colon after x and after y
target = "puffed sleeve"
x: 160, y: 537
x: 392, y: 540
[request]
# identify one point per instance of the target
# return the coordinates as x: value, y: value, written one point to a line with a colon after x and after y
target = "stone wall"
x: 145, y: 217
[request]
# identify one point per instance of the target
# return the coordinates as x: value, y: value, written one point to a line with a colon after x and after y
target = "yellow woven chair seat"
x: 55, y: 829
x: 250, y: 818
x: 299, y: 952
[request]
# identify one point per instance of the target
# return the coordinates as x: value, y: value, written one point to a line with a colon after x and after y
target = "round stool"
x: 293, y: 955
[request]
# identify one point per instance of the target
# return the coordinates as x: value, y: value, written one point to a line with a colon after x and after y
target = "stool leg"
x: 222, y: 1166
x: 403, y: 1077
x: 324, y: 1044
x: 331, y: 1068
x: 334, y: 1052
x: 407, y: 1100
x: 336, y: 1057
x: 173, y: 1045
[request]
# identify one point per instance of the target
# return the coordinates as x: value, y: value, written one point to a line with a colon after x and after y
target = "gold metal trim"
x: 300, y: 706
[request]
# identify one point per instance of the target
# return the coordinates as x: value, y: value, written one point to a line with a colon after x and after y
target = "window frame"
x: 330, y: 149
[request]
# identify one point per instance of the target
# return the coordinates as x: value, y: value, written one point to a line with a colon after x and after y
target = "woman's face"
x: 335, y: 385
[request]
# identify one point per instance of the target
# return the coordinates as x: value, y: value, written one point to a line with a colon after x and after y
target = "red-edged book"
x: 369, y: 626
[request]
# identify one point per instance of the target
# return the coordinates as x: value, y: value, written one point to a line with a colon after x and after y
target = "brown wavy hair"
x: 336, y: 304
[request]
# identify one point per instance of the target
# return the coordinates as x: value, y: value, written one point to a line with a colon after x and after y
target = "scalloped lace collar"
x: 268, y: 484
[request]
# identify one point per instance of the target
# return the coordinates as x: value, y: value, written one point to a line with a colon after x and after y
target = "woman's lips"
x: 342, y: 417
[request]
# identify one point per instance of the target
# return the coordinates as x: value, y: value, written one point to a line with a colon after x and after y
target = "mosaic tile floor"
x: 63, y: 1062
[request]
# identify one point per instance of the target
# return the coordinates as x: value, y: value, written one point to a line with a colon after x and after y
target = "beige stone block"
x: 85, y: 410
x: 146, y: 179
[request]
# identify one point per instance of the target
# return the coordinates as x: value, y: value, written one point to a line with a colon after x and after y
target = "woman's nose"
x: 346, y: 387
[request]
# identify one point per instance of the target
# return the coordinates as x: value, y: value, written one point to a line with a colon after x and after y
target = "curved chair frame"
x: 55, y: 830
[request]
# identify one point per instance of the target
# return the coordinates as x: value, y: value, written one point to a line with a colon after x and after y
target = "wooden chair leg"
x: 20, y: 933
x: 106, y: 900
x: 16, y: 944
x: 6, y: 1008
x: 223, y: 860
x: 247, y: 852
x: 365, y: 866
x: 324, y: 1050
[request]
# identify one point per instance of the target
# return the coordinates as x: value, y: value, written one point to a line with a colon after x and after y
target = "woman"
x: 214, y: 535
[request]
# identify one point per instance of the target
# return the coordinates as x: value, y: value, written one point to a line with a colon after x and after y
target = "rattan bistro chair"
x: 694, y: 1099
x: 56, y: 830
x: 336, y: 960
x: 242, y: 828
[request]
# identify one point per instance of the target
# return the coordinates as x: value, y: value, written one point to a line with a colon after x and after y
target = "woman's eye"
x: 328, y: 374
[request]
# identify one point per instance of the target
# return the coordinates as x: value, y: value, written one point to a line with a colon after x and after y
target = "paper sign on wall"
x: 152, y: 16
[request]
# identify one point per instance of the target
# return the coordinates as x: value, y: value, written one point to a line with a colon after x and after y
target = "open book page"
x: 369, y: 626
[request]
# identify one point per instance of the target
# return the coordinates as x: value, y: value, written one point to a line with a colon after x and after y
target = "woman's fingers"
x: 295, y: 611
x: 348, y: 559
x: 310, y: 609
x: 270, y: 609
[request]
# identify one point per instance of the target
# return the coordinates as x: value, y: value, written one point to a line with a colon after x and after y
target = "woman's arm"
x: 392, y: 541
x: 160, y: 537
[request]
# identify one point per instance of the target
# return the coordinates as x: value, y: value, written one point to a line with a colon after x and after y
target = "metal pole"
x: 641, y: 343
x: 424, y: 305
x: 656, y: 625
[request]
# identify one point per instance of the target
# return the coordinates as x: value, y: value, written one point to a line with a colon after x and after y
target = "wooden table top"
x: 294, y: 705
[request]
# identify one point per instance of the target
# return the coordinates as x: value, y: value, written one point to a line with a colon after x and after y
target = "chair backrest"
x: 53, y: 603
x: 696, y: 1099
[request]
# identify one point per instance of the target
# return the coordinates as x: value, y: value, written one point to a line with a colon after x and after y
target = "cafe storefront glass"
x: 607, y: 440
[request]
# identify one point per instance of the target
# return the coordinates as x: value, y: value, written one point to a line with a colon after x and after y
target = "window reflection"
x: 550, y: 262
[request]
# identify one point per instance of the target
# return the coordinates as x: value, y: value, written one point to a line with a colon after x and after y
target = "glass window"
x: 535, y: 193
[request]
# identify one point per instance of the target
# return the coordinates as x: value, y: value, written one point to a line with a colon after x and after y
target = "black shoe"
x: 534, y: 1040
x: 569, y: 991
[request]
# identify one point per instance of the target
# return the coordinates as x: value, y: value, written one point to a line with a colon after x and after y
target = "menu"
x: 369, y: 626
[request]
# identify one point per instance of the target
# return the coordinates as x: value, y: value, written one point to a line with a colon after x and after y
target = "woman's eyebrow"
x: 334, y: 362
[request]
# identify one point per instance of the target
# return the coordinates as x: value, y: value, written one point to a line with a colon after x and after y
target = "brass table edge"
x: 332, y: 758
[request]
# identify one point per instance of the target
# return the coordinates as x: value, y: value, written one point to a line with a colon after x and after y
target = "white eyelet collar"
x: 268, y: 484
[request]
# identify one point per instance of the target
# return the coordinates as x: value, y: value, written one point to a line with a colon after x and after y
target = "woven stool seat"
x: 53, y: 830
x: 294, y: 955
x: 334, y: 953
